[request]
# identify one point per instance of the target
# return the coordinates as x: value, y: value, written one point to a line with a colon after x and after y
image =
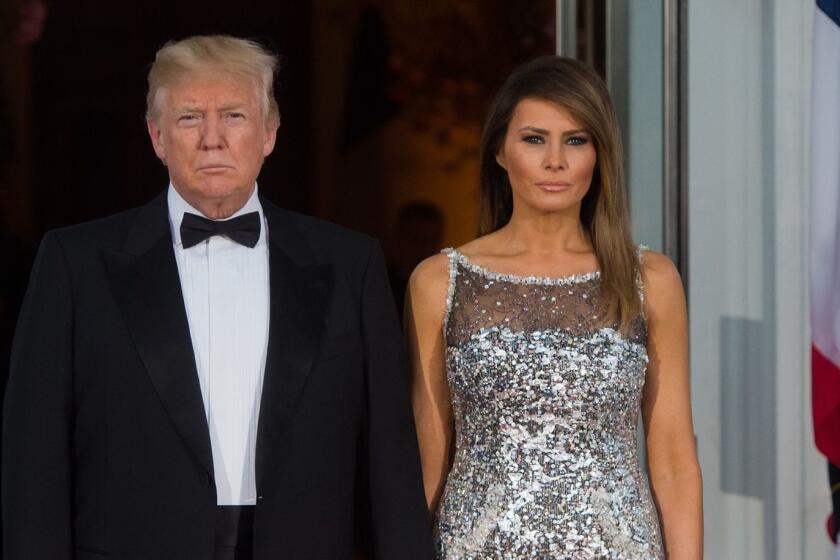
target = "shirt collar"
x: 178, y: 206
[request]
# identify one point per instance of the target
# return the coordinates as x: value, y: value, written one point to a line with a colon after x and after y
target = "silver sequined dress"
x: 546, y: 394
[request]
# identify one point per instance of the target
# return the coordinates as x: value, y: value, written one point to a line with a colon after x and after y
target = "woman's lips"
x: 554, y: 186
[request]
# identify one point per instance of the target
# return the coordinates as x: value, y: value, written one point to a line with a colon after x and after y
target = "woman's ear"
x: 500, y: 159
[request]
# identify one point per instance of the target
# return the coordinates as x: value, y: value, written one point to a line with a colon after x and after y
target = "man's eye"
x: 235, y: 115
x: 533, y: 139
x: 187, y: 118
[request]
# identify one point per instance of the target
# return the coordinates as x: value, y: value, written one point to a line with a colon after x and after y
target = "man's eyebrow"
x: 232, y: 105
x: 193, y: 108
x: 188, y: 108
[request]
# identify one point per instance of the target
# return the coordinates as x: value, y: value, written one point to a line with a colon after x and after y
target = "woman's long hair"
x: 603, y: 214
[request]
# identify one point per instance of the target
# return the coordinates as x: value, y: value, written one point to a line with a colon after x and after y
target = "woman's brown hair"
x: 603, y: 214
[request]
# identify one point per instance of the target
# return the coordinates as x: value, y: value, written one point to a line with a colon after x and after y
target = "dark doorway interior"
x: 90, y: 152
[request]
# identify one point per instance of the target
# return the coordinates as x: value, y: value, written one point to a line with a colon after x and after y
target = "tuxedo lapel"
x: 300, y: 292
x: 146, y: 286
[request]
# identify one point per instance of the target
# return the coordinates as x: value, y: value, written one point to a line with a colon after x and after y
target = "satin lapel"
x: 145, y: 283
x: 300, y: 292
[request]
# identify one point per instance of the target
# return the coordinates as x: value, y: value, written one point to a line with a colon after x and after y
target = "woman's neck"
x: 544, y: 233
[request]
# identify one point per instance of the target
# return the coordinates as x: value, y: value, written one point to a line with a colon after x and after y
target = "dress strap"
x: 452, y: 254
x: 640, y: 285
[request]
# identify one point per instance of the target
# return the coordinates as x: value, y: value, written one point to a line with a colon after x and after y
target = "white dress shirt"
x: 226, y: 293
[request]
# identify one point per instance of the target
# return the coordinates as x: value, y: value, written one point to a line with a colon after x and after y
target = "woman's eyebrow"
x: 533, y: 129
x: 544, y: 131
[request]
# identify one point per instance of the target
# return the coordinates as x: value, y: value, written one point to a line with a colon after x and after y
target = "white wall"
x: 766, y: 493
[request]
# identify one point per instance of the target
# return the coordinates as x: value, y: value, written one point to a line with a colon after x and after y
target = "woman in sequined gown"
x: 536, y: 347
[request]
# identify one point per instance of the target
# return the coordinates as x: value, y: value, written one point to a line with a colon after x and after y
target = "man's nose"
x: 212, y: 137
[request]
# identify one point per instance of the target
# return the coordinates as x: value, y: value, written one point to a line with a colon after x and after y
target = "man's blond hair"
x: 209, y: 55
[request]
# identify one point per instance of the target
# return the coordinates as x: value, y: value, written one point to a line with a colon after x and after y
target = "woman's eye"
x: 533, y: 139
x: 577, y: 140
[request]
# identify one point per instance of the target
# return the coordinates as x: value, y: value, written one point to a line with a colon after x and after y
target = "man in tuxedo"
x: 209, y: 376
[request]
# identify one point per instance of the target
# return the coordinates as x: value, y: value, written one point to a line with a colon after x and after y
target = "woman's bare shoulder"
x: 662, y: 283
x: 658, y: 268
x: 429, y: 282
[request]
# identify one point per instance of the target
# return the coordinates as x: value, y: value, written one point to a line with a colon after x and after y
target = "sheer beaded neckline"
x: 465, y: 261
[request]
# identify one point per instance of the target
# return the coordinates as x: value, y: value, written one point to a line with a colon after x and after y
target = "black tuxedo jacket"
x: 106, y: 450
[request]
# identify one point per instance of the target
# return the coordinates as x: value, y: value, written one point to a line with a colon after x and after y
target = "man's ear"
x: 270, y: 137
x: 157, y: 139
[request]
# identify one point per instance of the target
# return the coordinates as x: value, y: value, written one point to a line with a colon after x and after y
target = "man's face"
x: 212, y: 134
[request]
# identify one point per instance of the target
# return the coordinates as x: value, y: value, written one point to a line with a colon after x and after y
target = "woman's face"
x: 548, y: 156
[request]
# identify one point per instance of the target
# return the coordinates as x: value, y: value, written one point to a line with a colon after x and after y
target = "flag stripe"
x: 825, y: 189
x: 826, y: 405
x: 831, y: 8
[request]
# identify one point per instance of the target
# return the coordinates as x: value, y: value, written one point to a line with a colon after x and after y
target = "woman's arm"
x: 666, y: 408
x: 425, y: 305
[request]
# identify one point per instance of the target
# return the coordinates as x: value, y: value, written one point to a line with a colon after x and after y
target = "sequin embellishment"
x: 546, y: 396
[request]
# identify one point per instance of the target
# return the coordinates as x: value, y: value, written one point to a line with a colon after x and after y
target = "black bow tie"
x: 244, y: 229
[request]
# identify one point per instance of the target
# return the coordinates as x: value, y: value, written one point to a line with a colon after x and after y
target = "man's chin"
x: 216, y: 190
x: 221, y: 187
